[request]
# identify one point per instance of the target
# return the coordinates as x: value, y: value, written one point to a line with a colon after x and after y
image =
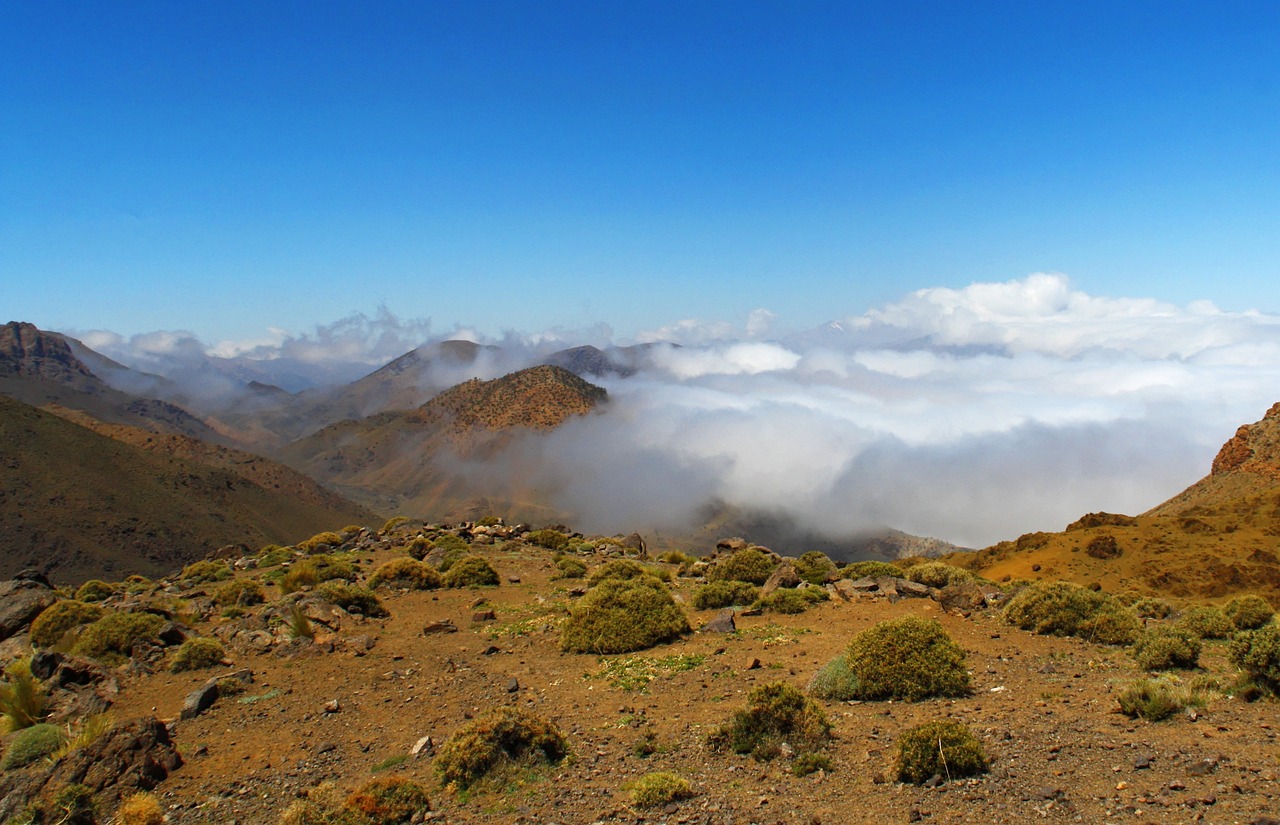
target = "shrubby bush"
x: 239, y: 593
x: 389, y: 800
x: 550, y: 539
x: 352, y: 598
x: 1257, y: 653
x: 471, y: 571
x: 1206, y: 622
x: 95, y: 590
x: 1152, y: 608
x: 111, y: 638
x: 908, y: 658
x: 938, y: 574
x: 313, y: 570
x: 61, y: 616
x: 568, y: 567
x: 205, y: 572
x: 623, y: 570
x: 791, y: 601
x: 659, y: 788
x: 1248, y: 612
x: 623, y: 616
x: 714, y: 595
x: 320, y: 541
x: 1065, y: 609
x: 750, y: 564
x: 1166, y: 648
x: 814, y: 567
x: 32, y: 744
x: 776, y: 714
x: 495, y: 740
x: 196, y: 653
x: 871, y: 570
x: 406, y: 574
x: 943, y: 748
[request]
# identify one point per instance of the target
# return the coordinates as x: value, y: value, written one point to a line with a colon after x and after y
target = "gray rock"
x: 200, y: 700
x: 442, y: 626
x: 21, y: 600
x: 784, y: 575
x: 722, y: 623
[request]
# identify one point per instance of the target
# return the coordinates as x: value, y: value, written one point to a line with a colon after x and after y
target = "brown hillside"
x: 1217, y: 538
x: 80, y: 504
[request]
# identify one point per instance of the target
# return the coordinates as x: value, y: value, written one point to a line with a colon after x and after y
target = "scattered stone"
x: 732, y: 545
x: 784, y: 575
x: 423, y: 747
x: 1204, y: 767
x: 200, y: 700
x: 325, y: 747
x: 1142, y: 763
x: 753, y: 664
x: 332, y: 706
x: 513, y: 686
x: 490, y: 650
x: 483, y: 616
x: 513, y: 579
x: 723, y: 622
x: 442, y: 626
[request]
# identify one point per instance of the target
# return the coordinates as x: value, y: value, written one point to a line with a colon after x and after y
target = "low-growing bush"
x: 871, y: 570
x: 471, y: 571
x: 406, y: 574
x: 239, y: 593
x: 140, y: 808
x: 942, y: 748
x: 1066, y: 609
x: 659, y: 788
x: 196, y: 653
x: 61, y: 616
x: 814, y: 567
x: 1151, y: 699
x: 449, y: 548
x: 320, y: 541
x: 496, y: 740
x: 776, y: 714
x: 31, y: 744
x: 95, y: 590
x: 676, y: 557
x: 937, y: 574
x: 419, y: 547
x: 313, y: 570
x: 908, y: 658
x: 1166, y: 648
x: 1257, y: 653
x: 550, y: 539
x: 1152, y: 608
x: 352, y: 598
x: 1206, y: 622
x: 205, y: 572
x: 274, y: 554
x: 389, y: 800
x: 392, y: 523
x: 622, y: 616
x: 835, y: 682
x: 714, y: 595
x: 111, y: 638
x: 807, y: 763
x: 1248, y: 612
x: 750, y: 564
x: 791, y: 601
x: 623, y: 570
x: 568, y: 567
x: 23, y: 700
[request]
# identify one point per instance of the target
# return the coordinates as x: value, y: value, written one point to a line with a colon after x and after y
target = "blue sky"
x: 226, y: 167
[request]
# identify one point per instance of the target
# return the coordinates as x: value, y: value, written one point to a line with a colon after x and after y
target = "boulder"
x: 784, y: 575
x: 21, y: 600
x: 722, y: 623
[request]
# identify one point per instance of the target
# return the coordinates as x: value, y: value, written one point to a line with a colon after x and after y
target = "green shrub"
x: 389, y: 801
x: 1152, y: 608
x: 622, y: 616
x: 776, y: 714
x: 1257, y: 653
x: 352, y: 598
x: 205, y: 572
x: 1066, y: 609
x: 659, y: 788
x: 714, y: 595
x: 942, y: 748
x: 550, y: 539
x: 58, y: 618
x: 239, y: 593
x: 1166, y: 648
x: 274, y: 554
x: 73, y: 805
x: 392, y: 523
x: 1150, y: 699
x: 319, y: 541
x: 313, y: 570
x: 450, y: 548
x: 791, y: 601
x: 937, y: 574
x: 1248, y: 612
x: 871, y: 570
x: 111, y: 638
x: 908, y: 658
x: 95, y: 590
x: 406, y: 574
x: 814, y: 567
x: 196, y: 653
x: 747, y: 565
x: 835, y: 682
x: 1206, y: 622
x: 22, y: 697
x: 471, y: 571
x: 676, y: 557
x: 807, y: 763
x: 419, y: 547
x: 31, y: 744
x: 570, y: 568
x: 495, y: 740
x: 624, y: 569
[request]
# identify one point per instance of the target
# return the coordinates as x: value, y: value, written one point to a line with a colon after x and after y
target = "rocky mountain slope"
x: 1214, y: 538
x: 81, y: 503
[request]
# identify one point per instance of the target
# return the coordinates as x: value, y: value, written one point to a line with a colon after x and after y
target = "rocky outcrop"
x: 1255, y: 448
x: 21, y: 600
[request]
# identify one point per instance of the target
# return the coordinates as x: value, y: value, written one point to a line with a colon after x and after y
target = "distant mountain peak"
x: 541, y: 398
x: 27, y: 350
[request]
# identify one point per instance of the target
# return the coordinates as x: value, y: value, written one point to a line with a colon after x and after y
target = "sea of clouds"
x: 972, y: 415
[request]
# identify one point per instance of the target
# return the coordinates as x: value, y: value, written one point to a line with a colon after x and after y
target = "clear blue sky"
x: 225, y: 166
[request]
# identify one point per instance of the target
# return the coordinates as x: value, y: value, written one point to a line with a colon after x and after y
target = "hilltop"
x: 1214, y: 539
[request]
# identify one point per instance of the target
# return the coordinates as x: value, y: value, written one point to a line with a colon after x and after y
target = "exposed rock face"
x: 1255, y: 448
x: 21, y: 600
x: 25, y: 350
x: 784, y: 575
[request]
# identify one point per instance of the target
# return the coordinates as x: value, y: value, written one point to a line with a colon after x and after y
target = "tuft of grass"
x: 791, y: 601
x: 623, y: 616
x: 406, y: 574
x: 140, y: 808
x: 634, y: 673
x: 389, y: 801
x: 941, y: 748
x: 390, y: 762
x: 1151, y: 699
x: 807, y: 763
x: 751, y: 564
x: 1166, y: 648
x: 313, y: 570
x: 835, y: 681
x: 1066, y: 609
x: 471, y: 571
x: 196, y: 653
x: 495, y: 741
x: 32, y: 744
x: 298, y: 623
x: 776, y: 714
x: 22, y: 697
x: 717, y: 594
x: 56, y: 620
x: 1248, y: 612
x: 908, y: 658
x: 659, y: 788
x: 91, y: 729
